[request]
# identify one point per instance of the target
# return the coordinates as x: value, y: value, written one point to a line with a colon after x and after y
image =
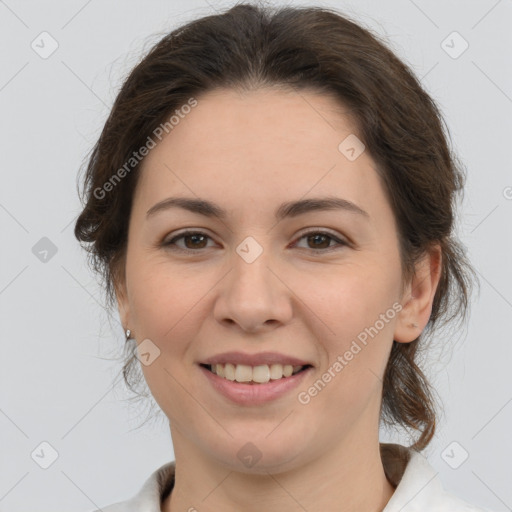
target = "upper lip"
x: 261, y: 358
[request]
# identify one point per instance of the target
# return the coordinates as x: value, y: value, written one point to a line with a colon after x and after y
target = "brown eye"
x: 197, y: 241
x: 193, y: 240
x: 320, y: 240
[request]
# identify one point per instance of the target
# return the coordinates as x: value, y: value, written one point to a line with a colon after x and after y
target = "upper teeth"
x: 261, y: 373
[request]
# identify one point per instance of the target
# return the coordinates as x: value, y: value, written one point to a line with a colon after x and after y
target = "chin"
x: 261, y: 455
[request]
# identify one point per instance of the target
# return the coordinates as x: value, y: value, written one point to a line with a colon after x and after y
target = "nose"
x: 254, y: 296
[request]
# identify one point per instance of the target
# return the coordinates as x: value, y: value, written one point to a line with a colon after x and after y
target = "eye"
x: 193, y: 240
x: 321, y: 240
x: 197, y: 240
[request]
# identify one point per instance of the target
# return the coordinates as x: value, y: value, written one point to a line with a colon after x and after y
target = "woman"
x: 271, y: 205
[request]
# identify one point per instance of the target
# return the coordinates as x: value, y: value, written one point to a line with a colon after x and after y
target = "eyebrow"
x: 289, y: 209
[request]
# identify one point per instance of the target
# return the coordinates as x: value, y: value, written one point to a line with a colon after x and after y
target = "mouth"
x: 254, y: 375
x: 249, y: 386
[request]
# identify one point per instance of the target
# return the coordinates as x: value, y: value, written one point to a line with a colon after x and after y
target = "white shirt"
x: 418, y: 487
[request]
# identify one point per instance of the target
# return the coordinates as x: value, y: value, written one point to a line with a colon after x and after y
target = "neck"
x: 348, y: 477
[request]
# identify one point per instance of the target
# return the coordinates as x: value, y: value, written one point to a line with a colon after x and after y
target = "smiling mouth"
x: 260, y: 374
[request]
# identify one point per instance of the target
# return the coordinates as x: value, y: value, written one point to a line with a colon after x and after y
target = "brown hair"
x: 316, y: 49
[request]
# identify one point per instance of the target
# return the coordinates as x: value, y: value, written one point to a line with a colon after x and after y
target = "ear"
x: 418, y: 297
x: 122, y: 301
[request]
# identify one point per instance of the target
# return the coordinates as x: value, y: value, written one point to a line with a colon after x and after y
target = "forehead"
x: 225, y: 118
x: 256, y: 145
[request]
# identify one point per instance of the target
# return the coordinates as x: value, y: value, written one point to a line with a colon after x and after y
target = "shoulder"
x: 420, y: 489
x: 150, y: 495
x: 117, y: 507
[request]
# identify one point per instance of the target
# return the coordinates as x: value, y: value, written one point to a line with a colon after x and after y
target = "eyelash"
x: 171, y: 244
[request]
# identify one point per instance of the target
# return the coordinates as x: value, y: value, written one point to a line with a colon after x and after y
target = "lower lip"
x: 254, y: 394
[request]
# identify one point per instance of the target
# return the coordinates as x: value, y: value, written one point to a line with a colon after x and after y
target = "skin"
x: 249, y: 153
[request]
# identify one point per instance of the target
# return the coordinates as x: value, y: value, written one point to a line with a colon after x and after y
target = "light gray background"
x: 56, y: 378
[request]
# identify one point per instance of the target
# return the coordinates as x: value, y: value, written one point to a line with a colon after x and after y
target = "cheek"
x: 352, y: 298
x: 161, y: 310
x: 358, y: 310
x: 164, y: 308
x: 161, y: 301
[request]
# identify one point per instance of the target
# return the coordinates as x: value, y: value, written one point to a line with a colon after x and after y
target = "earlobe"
x: 122, y: 305
x: 419, y: 297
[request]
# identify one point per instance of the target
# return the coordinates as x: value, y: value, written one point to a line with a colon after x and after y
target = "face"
x: 315, y: 284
